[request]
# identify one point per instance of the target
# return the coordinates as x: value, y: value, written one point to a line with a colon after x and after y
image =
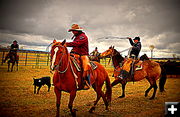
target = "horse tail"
x: 163, y: 78
x: 108, y: 89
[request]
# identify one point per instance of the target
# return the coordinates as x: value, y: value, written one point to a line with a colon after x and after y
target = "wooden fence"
x: 29, y: 58
x: 37, y: 59
x: 40, y: 58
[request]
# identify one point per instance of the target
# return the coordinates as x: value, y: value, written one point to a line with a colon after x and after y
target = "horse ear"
x: 63, y: 42
x: 54, y: 41
x: 113, y: 47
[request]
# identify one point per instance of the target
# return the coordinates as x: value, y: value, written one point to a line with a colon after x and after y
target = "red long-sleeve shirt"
x: 79, y: 44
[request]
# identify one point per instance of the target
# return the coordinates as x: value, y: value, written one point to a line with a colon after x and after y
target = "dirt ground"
x: 18, y: 100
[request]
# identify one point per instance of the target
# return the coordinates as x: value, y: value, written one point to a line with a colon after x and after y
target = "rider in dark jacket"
x: 14, y: 48
x: 134, y: 52
x: 136, y: 47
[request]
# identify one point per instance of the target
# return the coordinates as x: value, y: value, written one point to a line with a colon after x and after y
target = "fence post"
x: 48, y: 59
x: 26, y: 59
x: 3, y: 58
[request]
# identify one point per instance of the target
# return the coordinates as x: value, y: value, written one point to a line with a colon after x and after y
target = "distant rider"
x: 13, y: 50
x: 95, y: 52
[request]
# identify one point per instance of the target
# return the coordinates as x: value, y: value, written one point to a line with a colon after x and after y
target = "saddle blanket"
x: 76, y: 64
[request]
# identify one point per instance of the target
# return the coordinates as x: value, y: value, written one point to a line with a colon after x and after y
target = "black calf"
x: 40, y: 82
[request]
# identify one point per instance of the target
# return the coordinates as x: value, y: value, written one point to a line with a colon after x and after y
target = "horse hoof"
x: 107, y: 109
x: 74, y: 112
x: 121, y: 96
x: 151, y: 98
x: 92, y: 109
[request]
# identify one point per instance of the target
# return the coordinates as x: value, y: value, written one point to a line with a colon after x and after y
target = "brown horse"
x: 67, y: 78
x: 12, y: 59
x: 151, y: 71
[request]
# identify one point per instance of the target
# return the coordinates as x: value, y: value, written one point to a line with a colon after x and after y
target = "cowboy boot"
x: 87, y: 83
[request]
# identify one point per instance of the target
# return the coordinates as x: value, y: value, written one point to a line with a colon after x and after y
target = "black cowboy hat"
x: 137, y: 38
x: 15, y: 41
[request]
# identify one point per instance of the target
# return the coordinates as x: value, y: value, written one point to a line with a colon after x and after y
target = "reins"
x: 61, y: 62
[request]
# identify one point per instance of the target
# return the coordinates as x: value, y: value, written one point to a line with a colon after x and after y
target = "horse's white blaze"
x: 54, y: 57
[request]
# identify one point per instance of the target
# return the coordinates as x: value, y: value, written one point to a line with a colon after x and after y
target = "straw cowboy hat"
x: 75, y: 27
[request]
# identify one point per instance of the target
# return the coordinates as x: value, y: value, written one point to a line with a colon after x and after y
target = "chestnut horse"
x: 67, y: 78
x: 151, y: 71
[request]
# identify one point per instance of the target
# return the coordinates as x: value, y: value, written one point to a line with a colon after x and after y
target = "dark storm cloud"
x: 155, y: 21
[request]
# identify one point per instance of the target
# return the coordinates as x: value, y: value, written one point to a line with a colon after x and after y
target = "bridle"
x: 60, y: 61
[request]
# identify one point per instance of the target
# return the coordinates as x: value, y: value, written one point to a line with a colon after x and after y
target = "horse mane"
x: 144, y: 57
x: 118, y: 56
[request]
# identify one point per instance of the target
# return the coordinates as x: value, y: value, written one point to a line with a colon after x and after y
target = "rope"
x: 76, y: 77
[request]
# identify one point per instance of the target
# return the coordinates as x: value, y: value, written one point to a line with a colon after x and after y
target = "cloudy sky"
x: 35, y: 23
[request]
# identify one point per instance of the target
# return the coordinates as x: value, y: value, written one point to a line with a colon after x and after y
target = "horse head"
x: 58, y: 50
x: 108, y: 52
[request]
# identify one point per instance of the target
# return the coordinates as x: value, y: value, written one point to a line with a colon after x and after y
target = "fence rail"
x: 41, y: 58
x: 38, y: 58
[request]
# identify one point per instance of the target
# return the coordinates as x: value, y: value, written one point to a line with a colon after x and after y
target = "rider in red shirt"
x: 80, y: 47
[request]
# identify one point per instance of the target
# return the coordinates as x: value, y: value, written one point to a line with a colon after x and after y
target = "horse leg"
x: 58, y: 100
x: 70, y: 105
x: 153, y: 84
x: 12, y: 66
x: 100, y: 94
x: 123, y: 83
x: 97, y: 99
x: 8, y: 65
x: 115, y: 82
x: 104, y: 99
x: 17, y: 65
x: 155, y: 89
x: 147, y: 91
x: 123, y: 89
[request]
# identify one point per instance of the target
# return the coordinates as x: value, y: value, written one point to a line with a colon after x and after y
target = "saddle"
x: 76, y: 61
x: 132, y: 65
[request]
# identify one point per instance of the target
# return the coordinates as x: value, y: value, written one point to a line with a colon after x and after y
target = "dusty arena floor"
x: 17, y: 98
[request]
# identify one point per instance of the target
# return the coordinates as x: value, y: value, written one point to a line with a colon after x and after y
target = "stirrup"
x: 120, y: 77
x: 139, y: 68
x: 86, y: 85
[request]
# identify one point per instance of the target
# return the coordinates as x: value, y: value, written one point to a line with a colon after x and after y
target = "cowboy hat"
x: 137, y: 38
x: 75, y: 27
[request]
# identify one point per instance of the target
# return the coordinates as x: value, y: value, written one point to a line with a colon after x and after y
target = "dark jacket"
x: 79, y: 44
x: 14, y: 48
x: 136, y: 48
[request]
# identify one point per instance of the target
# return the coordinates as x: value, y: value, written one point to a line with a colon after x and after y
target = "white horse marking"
x: 54, y: 57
